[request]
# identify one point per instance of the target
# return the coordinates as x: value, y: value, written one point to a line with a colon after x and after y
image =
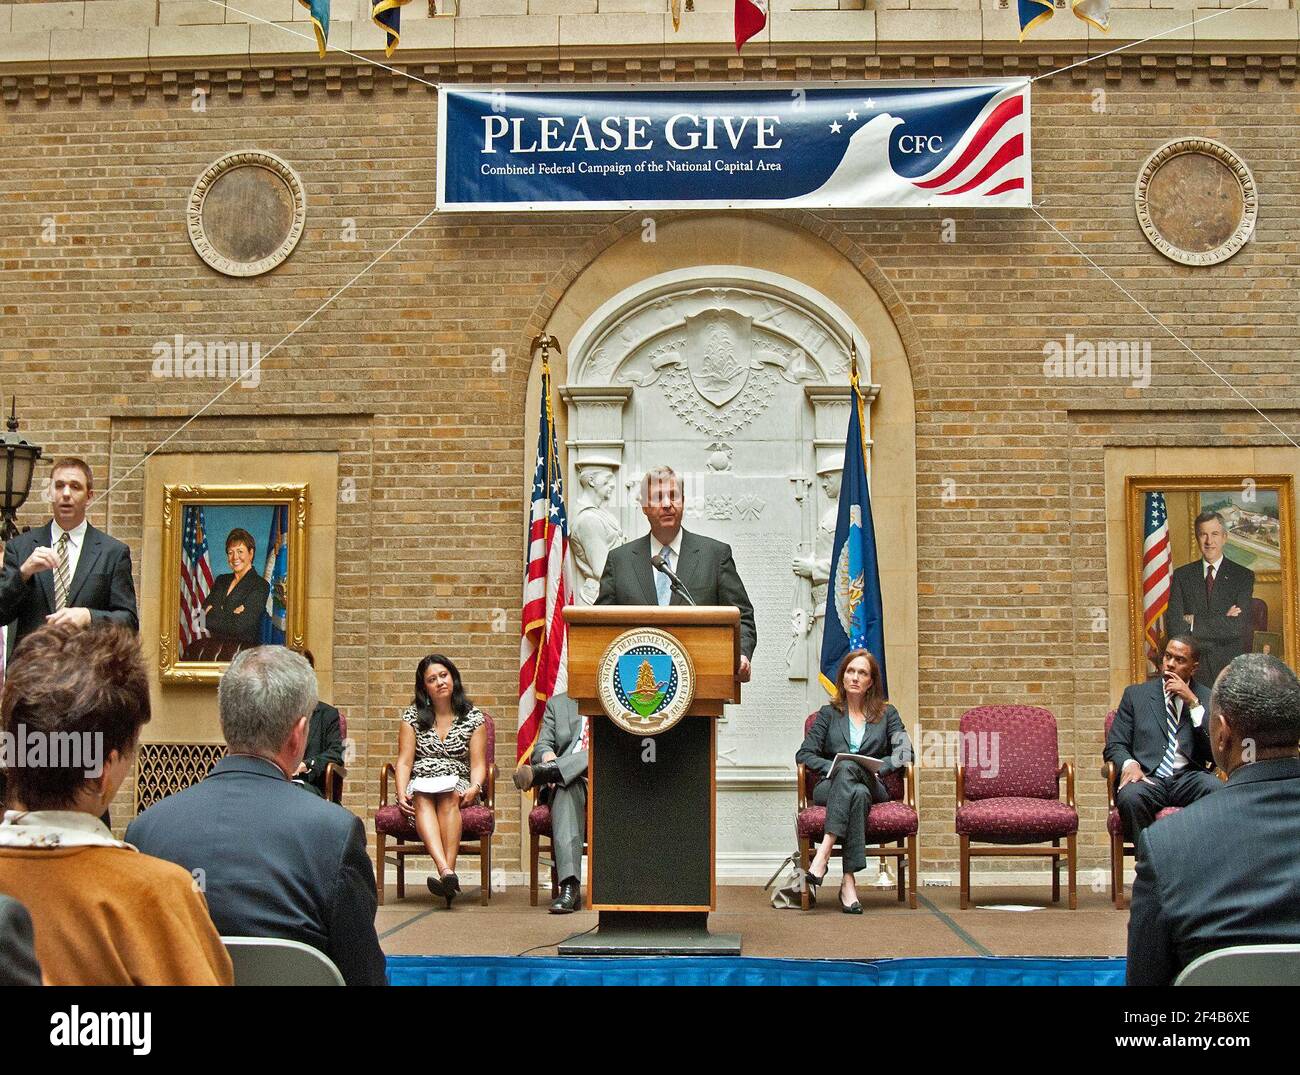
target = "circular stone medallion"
x: 1196, y: 201
x: 246, y: 213
x: 646, y: 681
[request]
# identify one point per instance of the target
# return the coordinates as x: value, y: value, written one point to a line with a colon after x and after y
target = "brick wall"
x: 396, y: 374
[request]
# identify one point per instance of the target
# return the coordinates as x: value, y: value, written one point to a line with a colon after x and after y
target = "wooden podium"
x: 652, y: 799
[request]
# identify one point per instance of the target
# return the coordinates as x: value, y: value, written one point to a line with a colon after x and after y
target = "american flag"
x: 1157, y: 564
x: 196, y: 576
x: 544, y: 646
x: 990, y: 157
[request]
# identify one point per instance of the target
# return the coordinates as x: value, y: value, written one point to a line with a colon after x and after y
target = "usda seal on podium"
x: 646, y: 681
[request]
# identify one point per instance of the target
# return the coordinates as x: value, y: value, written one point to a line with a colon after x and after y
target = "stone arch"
x: 819, y: 270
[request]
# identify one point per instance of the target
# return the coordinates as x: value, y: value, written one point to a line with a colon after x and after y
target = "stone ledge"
x: 120, y: 14
x: 841, y: 32
x: 705, y: 33
x: 1247, y: 31
x: 627, y: 36
x: 25, y: 52
x: 294, y: 43
x: 188, y: 46
x: 588, y: 36
x: 94, y: 50
x: 942, y: 31
x: 58, y: 16
x: 524, y: 36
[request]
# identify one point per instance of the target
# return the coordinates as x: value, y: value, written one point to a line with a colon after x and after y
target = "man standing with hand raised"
x: 66, y: 572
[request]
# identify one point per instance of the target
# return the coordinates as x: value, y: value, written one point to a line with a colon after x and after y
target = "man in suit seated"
x: 1210, y: 599
x: 1160, y: 742
x: 18, y: 965
x: 704, y: 566
x: 272, y: 861
x: 560, y: 767
x: 66, y: 572
x: 324, y: 744
x: 1224, y: 871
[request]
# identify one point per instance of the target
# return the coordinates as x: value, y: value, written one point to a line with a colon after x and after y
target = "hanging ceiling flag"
x: 1032, y: 12
x: 751, y: 17
x: 847, y: 145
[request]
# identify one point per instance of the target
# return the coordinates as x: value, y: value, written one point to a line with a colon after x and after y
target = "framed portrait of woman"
x: 1213, y: 557
x: 234, y: 575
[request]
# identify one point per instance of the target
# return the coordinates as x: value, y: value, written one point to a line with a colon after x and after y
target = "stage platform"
x: 421, y: 926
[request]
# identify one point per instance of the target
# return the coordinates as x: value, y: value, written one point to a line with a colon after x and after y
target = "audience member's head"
x: 266, y: 699
x: 73, y: 705
x: 1255, y: 711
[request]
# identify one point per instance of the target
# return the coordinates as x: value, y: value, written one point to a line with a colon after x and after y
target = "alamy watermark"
x: 227, y: 360
x: 24, y: 749
x: 1099, y: 359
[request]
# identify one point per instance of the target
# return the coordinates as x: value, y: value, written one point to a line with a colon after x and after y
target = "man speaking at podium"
x: 694, y: 568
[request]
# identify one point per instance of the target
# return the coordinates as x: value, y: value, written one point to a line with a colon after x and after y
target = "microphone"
x: 657, y: 560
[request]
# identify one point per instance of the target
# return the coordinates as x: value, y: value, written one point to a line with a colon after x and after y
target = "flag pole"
x: 858, y: 400
x: 545, y: 343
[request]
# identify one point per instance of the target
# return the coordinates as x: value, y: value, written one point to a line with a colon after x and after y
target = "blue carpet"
x: 715, y: 971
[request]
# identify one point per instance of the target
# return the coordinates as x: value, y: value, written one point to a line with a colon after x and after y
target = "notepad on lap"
x: 434, y: 785
x: 872, y: 765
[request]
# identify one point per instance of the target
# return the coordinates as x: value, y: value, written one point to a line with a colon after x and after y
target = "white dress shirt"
x: 656, y: 547
x: 1197, y: 714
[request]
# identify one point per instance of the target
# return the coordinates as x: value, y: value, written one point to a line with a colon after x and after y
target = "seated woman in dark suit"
x: 237, y: 600
x: 857, y: 721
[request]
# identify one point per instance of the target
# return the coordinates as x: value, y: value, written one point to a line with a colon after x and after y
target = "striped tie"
x: 61, y: 576
x: 1171, y: 749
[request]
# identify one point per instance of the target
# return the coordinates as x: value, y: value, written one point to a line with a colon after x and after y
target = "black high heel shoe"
x: 813, y: 880
x: 851, y: 908
x: 450, y: 887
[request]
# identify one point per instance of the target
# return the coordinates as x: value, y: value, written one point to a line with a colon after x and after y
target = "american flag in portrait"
x: 1157, y: 568
x: 544, y: 645
x: 196, y: 575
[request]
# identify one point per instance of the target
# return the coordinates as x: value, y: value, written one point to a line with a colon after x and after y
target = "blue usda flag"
x: 855, y: 617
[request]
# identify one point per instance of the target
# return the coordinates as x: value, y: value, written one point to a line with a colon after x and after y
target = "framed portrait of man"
x: 234, y: 574
x: 1212, y: 557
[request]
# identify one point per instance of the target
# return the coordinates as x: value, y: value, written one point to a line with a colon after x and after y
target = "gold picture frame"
x: 286, y: 506
x: 1276, y: 588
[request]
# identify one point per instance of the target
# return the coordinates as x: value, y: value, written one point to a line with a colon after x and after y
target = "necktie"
x: 1209, y: 582
x: 1171, y: 748
x: 664, y: 588
x: 61, y: 575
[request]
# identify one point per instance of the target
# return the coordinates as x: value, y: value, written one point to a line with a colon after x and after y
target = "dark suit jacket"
x: 324, y: 745
x: 102, y: 583
x: 250, y: 595
x: 829, y: 735
x: 1140, y: 729
x: 1221, y: 637
x: 18, y: 965
x: 707, y: 570
x: 1220, y: 873
x: 275, y: 862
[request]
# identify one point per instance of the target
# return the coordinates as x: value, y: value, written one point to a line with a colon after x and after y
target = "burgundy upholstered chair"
x: 1017, y: 804
x: 336, y: 772
x: 539, y: 829
x: 894, y: 822
x: 1119, y: 846
x: 478, y: 822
